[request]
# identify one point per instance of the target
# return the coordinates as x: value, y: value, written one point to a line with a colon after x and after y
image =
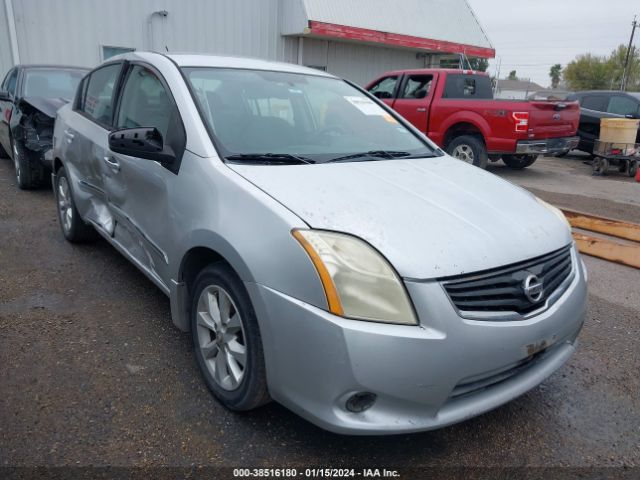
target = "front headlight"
x: 556, y: 211
x: 359, y: 282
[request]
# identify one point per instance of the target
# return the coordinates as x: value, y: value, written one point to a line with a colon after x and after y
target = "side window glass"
x: 98, y: 101
x: 385, y: 88
x: 417, y: 86
x: 11, y: 82
x: 145, y: 102
x: 620, y: 105
x: 594, y: 102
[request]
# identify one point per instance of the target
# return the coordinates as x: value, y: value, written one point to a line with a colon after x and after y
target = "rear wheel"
x: 469, y: 149
x: 226, y: 339
x: 633, y: 168
x: 518, y: 162
x: 73, y: 227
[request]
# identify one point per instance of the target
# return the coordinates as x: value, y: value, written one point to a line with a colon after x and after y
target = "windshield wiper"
x: 271, y: 158
x: 377, y: 154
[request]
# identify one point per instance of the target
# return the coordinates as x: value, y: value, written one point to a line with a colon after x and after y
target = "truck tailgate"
x: 553, y: 119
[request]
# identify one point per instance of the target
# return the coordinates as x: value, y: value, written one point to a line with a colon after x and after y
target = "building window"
x: 109, y: 51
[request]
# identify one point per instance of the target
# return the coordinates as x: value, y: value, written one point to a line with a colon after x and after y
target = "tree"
x: 479, y: 64
x: 592, y: 72
x: 588, y: 72
x: 555, y: 74
x: 512, y: 75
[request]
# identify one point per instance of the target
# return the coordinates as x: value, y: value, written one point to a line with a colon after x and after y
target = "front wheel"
x: 73, y: 227
x: 518, y: 162
x: 226, y: 339
x: 29, y: 172
x: 469, y: 149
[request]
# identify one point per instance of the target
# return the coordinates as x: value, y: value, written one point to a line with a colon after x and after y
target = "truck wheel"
x: 633, y: 168
x: 469, y: 149
x: 29, y: 173
x: 518, y: 162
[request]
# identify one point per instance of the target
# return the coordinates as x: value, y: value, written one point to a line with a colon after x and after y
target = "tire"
x: 600, y: 166
x: 469, y: 149
x: 221, y: 346
x: 633, y: 168
x: 518, y: 162
x: 29, y: 172
x: 73, y: 227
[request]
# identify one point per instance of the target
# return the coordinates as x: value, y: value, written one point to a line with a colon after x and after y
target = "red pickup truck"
x: 456, y: 110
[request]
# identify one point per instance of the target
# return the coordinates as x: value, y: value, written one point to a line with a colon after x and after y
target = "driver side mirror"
x: 142, y: 142
x: 4, y: 96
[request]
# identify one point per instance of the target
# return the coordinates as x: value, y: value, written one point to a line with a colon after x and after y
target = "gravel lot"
x: 92, y: 372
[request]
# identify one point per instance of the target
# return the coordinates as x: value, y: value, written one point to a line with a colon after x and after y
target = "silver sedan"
x: 321, y: 251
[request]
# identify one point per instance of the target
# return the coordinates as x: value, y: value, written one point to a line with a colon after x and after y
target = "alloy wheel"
x: 464, y: 153
x: 64, y: 204
x: 221, y: 337
x: 16, y: 162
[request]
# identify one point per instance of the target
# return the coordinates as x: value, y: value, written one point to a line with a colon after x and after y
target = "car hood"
x: 48, y: 106
x: 431, y: 218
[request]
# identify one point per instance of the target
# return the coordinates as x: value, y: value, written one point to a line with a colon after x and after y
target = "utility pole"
x: 623, y: 84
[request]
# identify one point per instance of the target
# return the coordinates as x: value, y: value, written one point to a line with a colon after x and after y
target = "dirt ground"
x: 92, y: 372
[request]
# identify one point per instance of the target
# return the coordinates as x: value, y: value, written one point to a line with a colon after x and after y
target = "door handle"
x: 421, y: 109
x: 113, y: 164
x: 69, y: 134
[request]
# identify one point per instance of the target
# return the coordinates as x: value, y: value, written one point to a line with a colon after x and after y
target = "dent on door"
x: 136, y: 193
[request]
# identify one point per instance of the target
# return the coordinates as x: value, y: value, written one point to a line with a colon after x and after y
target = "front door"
x: 6, y: 108
x: 138, y: 189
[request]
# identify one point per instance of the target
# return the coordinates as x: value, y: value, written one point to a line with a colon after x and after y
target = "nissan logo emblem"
x: 532, y: 288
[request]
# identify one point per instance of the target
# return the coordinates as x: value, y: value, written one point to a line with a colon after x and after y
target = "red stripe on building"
x: 331, y: 30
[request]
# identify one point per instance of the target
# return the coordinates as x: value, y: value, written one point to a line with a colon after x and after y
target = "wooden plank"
x: 608, y: 226
x: 624, y: 254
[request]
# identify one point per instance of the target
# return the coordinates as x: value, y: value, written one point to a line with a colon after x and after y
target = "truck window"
x: 594, y: 102
x: 620, y: 105
x: 417, y: 86
x: 468, y: 86
x: 385, y: 88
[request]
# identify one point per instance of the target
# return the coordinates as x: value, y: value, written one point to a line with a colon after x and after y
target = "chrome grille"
x: 502, y: 289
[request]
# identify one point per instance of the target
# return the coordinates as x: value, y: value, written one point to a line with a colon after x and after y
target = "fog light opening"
x: 359, y: 402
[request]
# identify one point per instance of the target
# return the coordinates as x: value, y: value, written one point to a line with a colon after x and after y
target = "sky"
x: 532, y: 35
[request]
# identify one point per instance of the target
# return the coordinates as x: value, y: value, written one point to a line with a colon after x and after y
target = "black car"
x: 30, y: 96
x: 598, y: 104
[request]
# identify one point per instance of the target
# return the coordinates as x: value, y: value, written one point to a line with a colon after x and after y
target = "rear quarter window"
x: 468, y: 86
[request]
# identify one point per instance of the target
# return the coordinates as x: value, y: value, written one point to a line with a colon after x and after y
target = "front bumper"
x: 550, y: 146
x: 424, y: 377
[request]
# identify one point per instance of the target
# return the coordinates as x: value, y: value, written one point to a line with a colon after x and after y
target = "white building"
x: 356, y: 39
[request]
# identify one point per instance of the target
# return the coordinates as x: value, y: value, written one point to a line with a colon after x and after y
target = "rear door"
x: 138, y: 189
x: 6, y: 108
x: 87, y: 138
x: 414, y: 98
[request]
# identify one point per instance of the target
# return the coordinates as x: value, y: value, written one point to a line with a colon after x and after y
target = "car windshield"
x: 51, y: 83
x: 303, y: 118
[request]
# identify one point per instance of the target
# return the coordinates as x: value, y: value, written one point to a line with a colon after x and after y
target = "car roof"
x: 430, y: 71
x: 222, y: 61
x: 606, y: 92
x: 35, y: 66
